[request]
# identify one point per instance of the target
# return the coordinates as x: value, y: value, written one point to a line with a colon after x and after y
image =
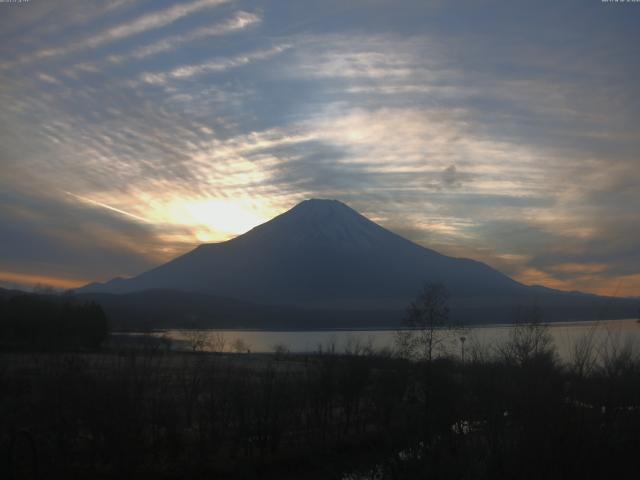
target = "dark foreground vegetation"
x: 148, y: 412
x: 72, y: 406
x: 46, y: 322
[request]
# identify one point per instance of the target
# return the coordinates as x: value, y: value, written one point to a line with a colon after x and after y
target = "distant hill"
x: 161, y: 309
x: 324, y: 256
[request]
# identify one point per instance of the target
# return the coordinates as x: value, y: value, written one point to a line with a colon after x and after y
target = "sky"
x: 508, y: 132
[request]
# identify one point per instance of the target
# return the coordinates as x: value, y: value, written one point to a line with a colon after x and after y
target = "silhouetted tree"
x: 197, y: 340
x: 48, y: 322
x: 429, y: 324
x: 529, y: 340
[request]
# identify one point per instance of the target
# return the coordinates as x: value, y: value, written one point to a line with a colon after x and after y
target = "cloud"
x: 143, y: 23
x: 217, y: 65
x: 450, y: 176
x: 47, y: 78
x: 43, y: 19
x: 47, y: 236
x: 108, y: 207
x: 239, y: 21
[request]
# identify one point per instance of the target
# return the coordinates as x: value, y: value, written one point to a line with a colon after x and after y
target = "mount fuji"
x: 322, y: 254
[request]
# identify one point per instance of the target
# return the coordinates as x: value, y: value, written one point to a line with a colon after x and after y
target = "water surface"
x: 604, y: 334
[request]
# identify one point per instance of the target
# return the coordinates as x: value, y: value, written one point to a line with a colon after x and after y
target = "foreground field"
x: 146, y: 412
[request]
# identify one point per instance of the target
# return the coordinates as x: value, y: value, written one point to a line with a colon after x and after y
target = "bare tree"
x: 197, y: 340
x: 584, y: 354
x: 280, y: 350
x: 429, y: 326
x: 616, y: 355
x: 529, y: 340
x: 240, y: 346
x: 217, y: 342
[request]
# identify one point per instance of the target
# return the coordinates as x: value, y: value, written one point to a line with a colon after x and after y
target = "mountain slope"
x: 321, y: 253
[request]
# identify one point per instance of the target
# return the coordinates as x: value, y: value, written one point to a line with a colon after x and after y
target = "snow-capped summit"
x: 322, y: 223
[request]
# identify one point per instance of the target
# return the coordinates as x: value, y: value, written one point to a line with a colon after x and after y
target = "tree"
x: 197, y: 340
x: 240, y: 346
x: 217, y: 342
x: 529, y: 340
x: 428, y: 322
x: 47, y: 322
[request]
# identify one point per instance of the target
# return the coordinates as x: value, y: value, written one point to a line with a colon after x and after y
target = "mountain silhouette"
x: 321, y: 253
x: 323, y: 265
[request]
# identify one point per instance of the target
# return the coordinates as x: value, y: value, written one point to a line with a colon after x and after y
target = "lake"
x: 605, y: 334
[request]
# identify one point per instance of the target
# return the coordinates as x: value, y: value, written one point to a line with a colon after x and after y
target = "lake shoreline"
x: 565, y: 335
x: 567, y: 323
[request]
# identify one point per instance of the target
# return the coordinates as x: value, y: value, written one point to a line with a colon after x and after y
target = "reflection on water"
x: 615, y: 333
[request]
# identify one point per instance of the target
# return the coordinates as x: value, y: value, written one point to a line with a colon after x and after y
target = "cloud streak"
x: 108, y: 207
x: 212, y: 66
x: 144, y: 23
x: 240, y: 21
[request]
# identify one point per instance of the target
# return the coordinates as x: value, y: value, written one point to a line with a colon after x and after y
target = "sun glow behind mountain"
x: 198, y: 219
x: 214, y: 219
